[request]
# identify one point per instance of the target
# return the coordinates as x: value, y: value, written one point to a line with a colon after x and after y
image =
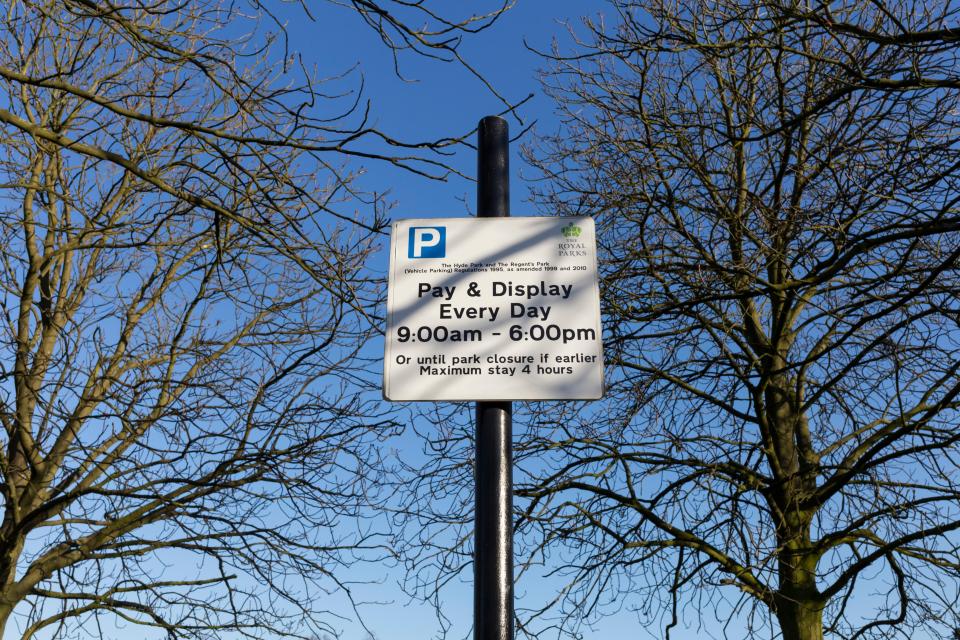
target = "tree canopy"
x: 777, y: 189
x: 187, y: 444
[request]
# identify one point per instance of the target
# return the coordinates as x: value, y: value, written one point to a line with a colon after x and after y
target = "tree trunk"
x: 800, y: 620
x: 6, y: 608
x: 799, y: 605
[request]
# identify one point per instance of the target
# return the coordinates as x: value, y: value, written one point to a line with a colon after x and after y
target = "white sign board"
x: 493, y: 309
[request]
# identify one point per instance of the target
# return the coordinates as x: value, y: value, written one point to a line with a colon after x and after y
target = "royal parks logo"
x: 571, y: 247
x: 571, y: 231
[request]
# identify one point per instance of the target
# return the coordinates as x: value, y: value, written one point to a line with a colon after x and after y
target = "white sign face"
x: 493, y: 309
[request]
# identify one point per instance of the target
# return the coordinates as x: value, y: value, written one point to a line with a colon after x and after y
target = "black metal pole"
x: 493, y: 527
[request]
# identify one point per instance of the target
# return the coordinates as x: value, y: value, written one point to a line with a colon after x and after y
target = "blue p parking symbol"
x: 427, y: 242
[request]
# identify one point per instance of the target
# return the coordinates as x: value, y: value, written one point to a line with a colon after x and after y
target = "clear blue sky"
x: 442, y: 99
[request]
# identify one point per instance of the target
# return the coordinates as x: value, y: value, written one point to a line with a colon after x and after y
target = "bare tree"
x: 187, y: 435
x: 777, y: 190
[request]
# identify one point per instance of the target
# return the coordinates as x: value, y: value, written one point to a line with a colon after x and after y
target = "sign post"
x: 493, y: 470
x: 493, y: 309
